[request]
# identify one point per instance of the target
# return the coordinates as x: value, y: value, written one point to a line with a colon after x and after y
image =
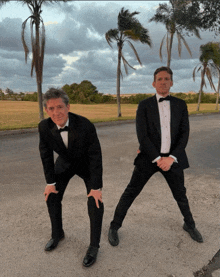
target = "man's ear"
x: 68, y: 107
x: 153, y: 84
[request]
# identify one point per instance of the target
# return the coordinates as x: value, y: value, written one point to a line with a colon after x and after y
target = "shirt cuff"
x: 175, y: 159
x: 51, y: 184
x: 155, y: 160
x: 98, y: 189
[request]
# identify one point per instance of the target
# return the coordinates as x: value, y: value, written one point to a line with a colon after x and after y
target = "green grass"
x: 24, y: 114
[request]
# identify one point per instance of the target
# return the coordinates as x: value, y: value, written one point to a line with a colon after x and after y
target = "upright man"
x: 74, y: 139
x: 162, y: 129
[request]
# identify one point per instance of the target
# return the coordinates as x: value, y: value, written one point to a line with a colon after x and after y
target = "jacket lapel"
x: 174, y: 116
x: 72, y: 135
x: 155, y: 114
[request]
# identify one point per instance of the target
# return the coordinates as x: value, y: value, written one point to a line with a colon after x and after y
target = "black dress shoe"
x: 113, y: 237
x: 194, y: 233
x: 90, y: 256
x: 52, y: 243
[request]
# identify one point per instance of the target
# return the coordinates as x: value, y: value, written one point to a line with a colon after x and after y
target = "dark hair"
x: 54, y: 93
x: 163, y: 68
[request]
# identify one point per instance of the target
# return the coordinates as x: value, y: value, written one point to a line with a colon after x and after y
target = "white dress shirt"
x: 164, y: 113
x: 64, y: 134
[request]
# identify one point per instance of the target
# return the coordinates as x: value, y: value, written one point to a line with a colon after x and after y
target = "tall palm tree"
x: 205, y: 65
x: 37, y: 43
x: 170, y: 16
x: 215, y: 46
x: 129, y: 28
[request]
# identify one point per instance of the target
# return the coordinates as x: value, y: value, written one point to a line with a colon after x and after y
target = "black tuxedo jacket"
x: 83, y: 155
x: 149, y: 131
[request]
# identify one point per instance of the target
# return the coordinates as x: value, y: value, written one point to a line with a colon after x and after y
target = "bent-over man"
x: 74, y: 139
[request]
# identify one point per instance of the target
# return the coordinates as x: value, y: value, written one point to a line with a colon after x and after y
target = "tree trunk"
x: 201, y: 87
x: 38, y: 73
x: 170, y: 50
x: 40, y: 101
x: 217, y: 93
x: 118, y: 80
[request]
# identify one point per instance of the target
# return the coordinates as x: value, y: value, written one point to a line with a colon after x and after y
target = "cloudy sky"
x: 76, y: 48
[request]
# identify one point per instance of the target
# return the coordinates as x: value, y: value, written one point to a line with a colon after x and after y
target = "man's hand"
x: 165, y: 163
x: 49, y: 189
x: 97, y: 195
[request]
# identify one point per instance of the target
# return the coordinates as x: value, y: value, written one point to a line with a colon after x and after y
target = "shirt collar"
x: 158, y: 96
x: 67, y: 124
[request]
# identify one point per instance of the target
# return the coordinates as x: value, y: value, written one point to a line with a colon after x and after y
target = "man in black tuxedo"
x: 74, y: 139
x: 162, y: 129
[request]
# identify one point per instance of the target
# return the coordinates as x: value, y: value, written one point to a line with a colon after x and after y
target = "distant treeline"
x: 87, y: 93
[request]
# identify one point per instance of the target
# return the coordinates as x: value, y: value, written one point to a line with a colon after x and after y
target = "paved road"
x: 152, y: 241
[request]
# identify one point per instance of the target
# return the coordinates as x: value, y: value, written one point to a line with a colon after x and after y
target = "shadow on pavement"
x: 212, y: 266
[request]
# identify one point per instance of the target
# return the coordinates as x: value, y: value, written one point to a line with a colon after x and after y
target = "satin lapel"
x: 155, y: 114
x: 72, y: 132
x: 57, y: 137
x: 173, y: 116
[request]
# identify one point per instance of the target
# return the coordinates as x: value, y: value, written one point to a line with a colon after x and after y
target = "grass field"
x: 17, y: 115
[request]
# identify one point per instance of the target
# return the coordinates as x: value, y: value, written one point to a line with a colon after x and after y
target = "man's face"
x: 58, y: 111
x: 163, y: 83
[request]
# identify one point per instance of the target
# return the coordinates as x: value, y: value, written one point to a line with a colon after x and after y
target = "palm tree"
x: 171, y: 17
x: 216, y: 68
x: 37, y: 44
x: 129, y: 28
x: 205, y: 66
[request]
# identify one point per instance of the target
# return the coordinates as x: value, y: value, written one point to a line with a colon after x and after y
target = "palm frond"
x: 26, y: 50
x: 112, y: 34
x: 209, y: 77
x: 203, y: 82
x: 126, y: 62
x: 199, y: 68
x: 161, y: 46
x: 186, y: 45
x: 135, y: 52
x: 121, y: 74
x: 194, y: 74
x: 168, y: 44
x: 179, y: 44
x: 194, y: 71
x: 196, y: 33
x: 33, y: 45
x: 43, y: 40
x: 126, y: 20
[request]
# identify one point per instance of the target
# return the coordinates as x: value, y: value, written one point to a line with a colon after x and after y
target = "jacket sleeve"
x: 182, y: 136
x: 46, y: 154
x: 95, y: 159
x: 146, y: 145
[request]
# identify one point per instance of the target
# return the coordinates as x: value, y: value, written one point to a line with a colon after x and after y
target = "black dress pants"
x: 54, y: 204
x: 140, y: 176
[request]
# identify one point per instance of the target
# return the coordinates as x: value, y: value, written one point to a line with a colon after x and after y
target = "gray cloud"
x: 81, y: 35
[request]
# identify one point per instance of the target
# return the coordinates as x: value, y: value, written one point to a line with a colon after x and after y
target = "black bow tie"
x: 66, y: 128
x: 164, y: 99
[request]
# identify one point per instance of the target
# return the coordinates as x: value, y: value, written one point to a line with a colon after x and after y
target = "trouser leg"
x: 95, y: 216
x: 175, y: 181
x: 54, y: 205
x: 138, y: 180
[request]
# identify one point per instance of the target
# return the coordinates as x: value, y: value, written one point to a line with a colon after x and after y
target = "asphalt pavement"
x: 152, y: 241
